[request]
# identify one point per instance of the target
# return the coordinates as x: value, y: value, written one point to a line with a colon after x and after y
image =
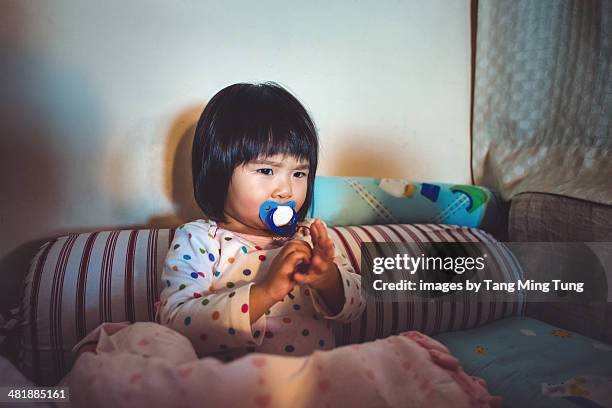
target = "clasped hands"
x: 297, y: 263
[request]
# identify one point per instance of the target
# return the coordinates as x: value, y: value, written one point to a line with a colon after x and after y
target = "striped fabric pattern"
x: 382, y: 319
x: 79, y: 281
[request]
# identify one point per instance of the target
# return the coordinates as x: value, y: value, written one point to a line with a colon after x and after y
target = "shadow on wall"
x: 177, y: 172
x: 42, y: 105
x: 360, y: 161
x: 29, y: 182
x: 30, y: 187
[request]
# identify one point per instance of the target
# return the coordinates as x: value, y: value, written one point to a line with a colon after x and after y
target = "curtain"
x: 543, y: 98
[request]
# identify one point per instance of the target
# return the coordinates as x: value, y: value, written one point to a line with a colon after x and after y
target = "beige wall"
x: 99, y: 100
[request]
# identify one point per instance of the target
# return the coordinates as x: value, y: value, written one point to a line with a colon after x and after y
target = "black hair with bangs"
x: 243, y: 122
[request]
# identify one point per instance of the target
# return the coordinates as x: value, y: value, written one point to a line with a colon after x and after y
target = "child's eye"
x: 299, y: 174
x: 267, y: 172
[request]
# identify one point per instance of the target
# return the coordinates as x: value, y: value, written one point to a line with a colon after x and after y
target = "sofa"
x: 528, y: 354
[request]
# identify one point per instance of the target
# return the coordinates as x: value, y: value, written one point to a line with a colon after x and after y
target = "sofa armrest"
x: 540, y: 217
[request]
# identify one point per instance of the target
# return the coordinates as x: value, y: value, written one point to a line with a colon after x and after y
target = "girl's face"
x: 276, y: 178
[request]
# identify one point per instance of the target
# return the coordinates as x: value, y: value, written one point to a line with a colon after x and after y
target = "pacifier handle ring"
x: 299, y: 227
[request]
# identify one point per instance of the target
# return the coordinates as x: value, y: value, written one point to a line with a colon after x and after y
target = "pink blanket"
x: 149, y: 365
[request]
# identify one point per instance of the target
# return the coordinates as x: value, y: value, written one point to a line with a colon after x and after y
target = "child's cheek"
x: 258, y: 194
x: 300, y: 196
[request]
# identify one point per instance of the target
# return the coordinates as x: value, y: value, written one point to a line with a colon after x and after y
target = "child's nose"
x: 282, y: 194
x: 283, y: 190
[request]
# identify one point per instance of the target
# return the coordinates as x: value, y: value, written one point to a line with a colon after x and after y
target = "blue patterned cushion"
x: 366, y: 201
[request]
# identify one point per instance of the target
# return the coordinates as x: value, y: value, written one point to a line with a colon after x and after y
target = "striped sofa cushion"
x: 78, y: 281
x: 382, y: 318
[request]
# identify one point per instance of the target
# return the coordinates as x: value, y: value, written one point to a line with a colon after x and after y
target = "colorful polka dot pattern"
x: 219, y: 318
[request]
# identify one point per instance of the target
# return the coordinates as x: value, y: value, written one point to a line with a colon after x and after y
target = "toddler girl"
x: 236, y: 283
x: 231, y: 285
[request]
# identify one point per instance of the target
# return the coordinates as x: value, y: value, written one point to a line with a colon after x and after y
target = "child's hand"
x: 323, y: 273
x: 279, y: 280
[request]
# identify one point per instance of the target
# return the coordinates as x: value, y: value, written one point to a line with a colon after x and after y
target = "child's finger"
x: 296, y: 246
x: 326, y: 249
x: 322, y: 231
x: 314, y: 233
x: 322, y: 235
x: 293, y: 259
x: 329, y: 249
x: 301, y: 278
x: 316, y: 265
x: 324, y: 240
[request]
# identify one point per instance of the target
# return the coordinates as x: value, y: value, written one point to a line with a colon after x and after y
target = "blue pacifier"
x: 280, y: 218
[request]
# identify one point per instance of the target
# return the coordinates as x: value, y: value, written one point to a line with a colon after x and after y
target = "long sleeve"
x: 354, y: 303
x: 213, y: 318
